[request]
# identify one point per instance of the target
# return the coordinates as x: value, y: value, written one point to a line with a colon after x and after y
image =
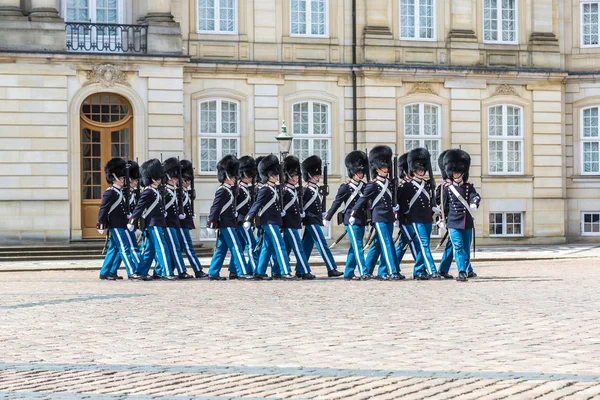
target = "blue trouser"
x: 294, y: 243
x: 248, y: 241
x: 313, y: 234
x: 385, y: 232
x: 356, y: 256
x: 406, y: 235
x: 185, y: 241
x: 119, y: 248
x: 135, y: 254
x: 227, y: 240
x: 155, y: 247
x: 273, y: 246
x: 448, y: 256
x: 424, y: 263
x: 461, y: 243
x: 375, y: 252
x: 172, y: 237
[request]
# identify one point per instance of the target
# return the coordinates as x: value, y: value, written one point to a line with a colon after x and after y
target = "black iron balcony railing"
x: 106, y: 38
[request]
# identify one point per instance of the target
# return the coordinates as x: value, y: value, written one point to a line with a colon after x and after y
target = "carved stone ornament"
x: 421, y: 87
x: 506, y: 90
x: 107, y: 75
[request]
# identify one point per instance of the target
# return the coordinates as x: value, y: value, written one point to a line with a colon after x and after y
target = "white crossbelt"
x: 461, y: 199
x: 229, y: 203
x: 312, y: 199
x: 246, y: 200
x: 116, y: 203
x: 173, y: 199
x: 420, y: 189
x: 292, y: 201
x: 384, y: 190
x: 270, y: 202
x: 355, y: 194
x: 153, y: 205
x: 186, y: 198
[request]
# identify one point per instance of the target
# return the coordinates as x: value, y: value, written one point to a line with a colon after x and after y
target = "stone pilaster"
x: 377, y: 36
x: 44, y: 11
x: 462, y: 40
x: 164, y: 33
x: 11, y: 9
x: 543, y: 43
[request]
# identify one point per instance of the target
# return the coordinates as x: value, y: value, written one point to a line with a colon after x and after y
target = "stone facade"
x: 545, y: 72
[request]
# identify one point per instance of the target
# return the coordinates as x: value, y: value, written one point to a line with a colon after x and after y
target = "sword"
x: 106, y: 242
x: 343, y: 235
x: 442, y: 241
x: 474, y: 248
x: 409, y: 242
x: 398, y: 236
x: 372, y: 235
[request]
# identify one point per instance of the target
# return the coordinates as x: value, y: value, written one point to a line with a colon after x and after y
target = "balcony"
x: 106, y: 38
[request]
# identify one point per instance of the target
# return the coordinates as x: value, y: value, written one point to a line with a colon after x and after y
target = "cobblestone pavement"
x: 522, y: 330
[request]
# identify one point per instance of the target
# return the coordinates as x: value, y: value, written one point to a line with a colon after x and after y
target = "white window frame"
x: 217, y: 30
x: 581, y: 35
x: 417, y: 22
x: 583, y: 140
x: 92, y: 14
x: 504, y: 224
x: 499, y: 23
x: 311, y: 136
x: 218, y: 135
x: 505, y: 139
x: 309, y: 21
x: 583, y: 232
x: 422, y: 137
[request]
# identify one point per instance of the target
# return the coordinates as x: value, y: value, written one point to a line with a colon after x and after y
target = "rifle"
x: 395, y: 182
x: 324, y: 189
x: 127, y: 189
x: 281, y: 184
x: 300, y: 192
x: 180, y: 190
x: 369, y: 213
x: 193, y: 189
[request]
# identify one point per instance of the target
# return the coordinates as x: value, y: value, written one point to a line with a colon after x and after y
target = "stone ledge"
x: 507, y: 178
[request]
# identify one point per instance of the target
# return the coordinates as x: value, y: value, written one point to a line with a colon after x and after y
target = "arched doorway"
x: 106, y: 132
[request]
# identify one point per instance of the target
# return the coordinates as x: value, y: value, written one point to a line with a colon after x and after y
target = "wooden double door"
x: 106, y: 132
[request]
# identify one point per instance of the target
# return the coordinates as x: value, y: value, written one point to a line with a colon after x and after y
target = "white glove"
x: 351, y: 220
x: 129, y: 216
x: 247, y: 225
x: 441, y: 224
x: 436, y: 210
x: 100, y: 231
x: 283, y: 213
x: 396, y: 208
x: 181, y: 216
x: 166, y: 213
x: 194, y: 216
x: 302, y: 214
x: 397, y: 224
x: 131, y: 227
x: 473, y: 207
x: 324, y: 215
x: 326, y: 223
x: 211, y: 230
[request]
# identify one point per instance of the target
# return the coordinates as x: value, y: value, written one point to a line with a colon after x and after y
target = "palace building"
x: 513, y: 82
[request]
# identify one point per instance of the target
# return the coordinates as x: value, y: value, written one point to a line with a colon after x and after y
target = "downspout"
x: 354, y: 100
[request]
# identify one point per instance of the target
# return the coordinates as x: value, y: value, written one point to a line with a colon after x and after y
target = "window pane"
x: 320, y: 121
x: 434, y: 150
x: 513, y: 121
x: 318, y: 17
x: 514, y: 155
x: 227, y: 15
x: 430, y: 123
x: 495, y: 121
x: 590, y: 122
x: 298, y: 9
x: 407, y: 19
x: 206, y: 15
x: 229, y: 118
x: 300, y: 123
x: 208, y: 155
x: 411, y: 120
x: 490, y: 20
x: 426, y: 11
x: 228, y: 146
x: 411, y: 144
x: 496, y: 157
x: 590, y: 24
x: 300, y: 148
x: 208, y: 117
x: 321, y: 149
x: 591, y: 157
x: 509, y: 32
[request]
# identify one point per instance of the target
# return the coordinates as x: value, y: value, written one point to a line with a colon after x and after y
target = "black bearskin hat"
x: 187, y: 170
x: 268, y: 166
x: 134, y: 170
x: 356, y: 161
x: 403, y: 166
x: 419, y: 158
x: 228, y: 167
x: 441, y: 164
x: 151, y: 170
x: 457, y: 160
x: 311, y: 166
x: 247, y: 167
x: 171, y: 167
x: 380, y: 157
x: 116, y: 167
x: 291, y: 166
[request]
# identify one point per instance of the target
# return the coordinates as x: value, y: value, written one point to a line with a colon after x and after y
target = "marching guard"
x: 348, y: 194
x: 247, y: 172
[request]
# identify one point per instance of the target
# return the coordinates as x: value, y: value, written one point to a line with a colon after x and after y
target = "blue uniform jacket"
x: 244, y: 200
x: 172, y: 206
x: 156, y: 217
x: 188, y: 197
x: 344, y: 194
x: 118, y: 217
x: 270, y: 215
x: 382, y: 211
x: 313, y: 211
x: 291, y: 204
x: 420, y: 212
x: 458, y: 216
x: 222, y: 214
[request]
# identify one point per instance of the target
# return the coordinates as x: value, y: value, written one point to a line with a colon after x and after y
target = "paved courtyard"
x: 527, y: 329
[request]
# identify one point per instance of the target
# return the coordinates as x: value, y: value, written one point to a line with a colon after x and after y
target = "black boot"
x: 435, y: 277
x: 308, y: 276
x: 334, y: 273
x: 472, y: 274
x: 446, y: 275
x: 399, y: 277
x: 288, y: 277
x: 107, y: 278
x: 168, y: 278
x: 216, y: 278
x: 136, y: 277
x: 423, y: 277
x: 117, y: 277
x: 367, y: 277
x: 352, y: 278
x: 263, y: 278
x: 201, y: 275
x: 245, y: 277
x: 462, y: 276
x: 233, y: 276
x: 185, y: 275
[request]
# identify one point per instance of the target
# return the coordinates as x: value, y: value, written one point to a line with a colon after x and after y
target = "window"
x: 94, y: 11
x: 590, y: 224
x: 417, y: 19
x: 311, y: 130
x: 309, y: 18
x: 204, y: 235
x: 506, y: 224
x: 589, y: 24
x: 217, y: 16
x: 590, y: 142
x: 422, y: 128
x: 500, y: 21
x: 218, y: 132
x: 505, y: 141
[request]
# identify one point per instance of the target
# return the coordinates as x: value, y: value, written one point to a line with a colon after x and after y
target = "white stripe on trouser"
x: 278, y: 247
x: 322, y: 249
x: 124, y: 253
x: 355, y: 247
x: 175, y: 255
x: 249, y: 246
x: 429, y: 270
x: 241, y: 261
x: 385, y: 247
x: 137, y: 259
x: 299, y: 259
x: 162, y: 250
x: 188, y: 251
x: 410, y: 241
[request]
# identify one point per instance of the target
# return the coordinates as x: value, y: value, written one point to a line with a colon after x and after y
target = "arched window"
x: 590, y: 141
x: 505, y: 139
x: 218, y: 132
x: 311, y: 129
x: 422, y: 128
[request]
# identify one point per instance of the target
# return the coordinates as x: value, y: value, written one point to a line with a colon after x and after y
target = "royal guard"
x: 406, y: 240
x: 112, y: 216
x: 267, y: 208
x: 348, y: 194
x: 312, y: 171
x: 378, y: 193
x: 459, y: 199
x: 223, y: 217
x: 187, y: 223
x: 150, y: 211
x: 292, y: 217
x: 245, y: 196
